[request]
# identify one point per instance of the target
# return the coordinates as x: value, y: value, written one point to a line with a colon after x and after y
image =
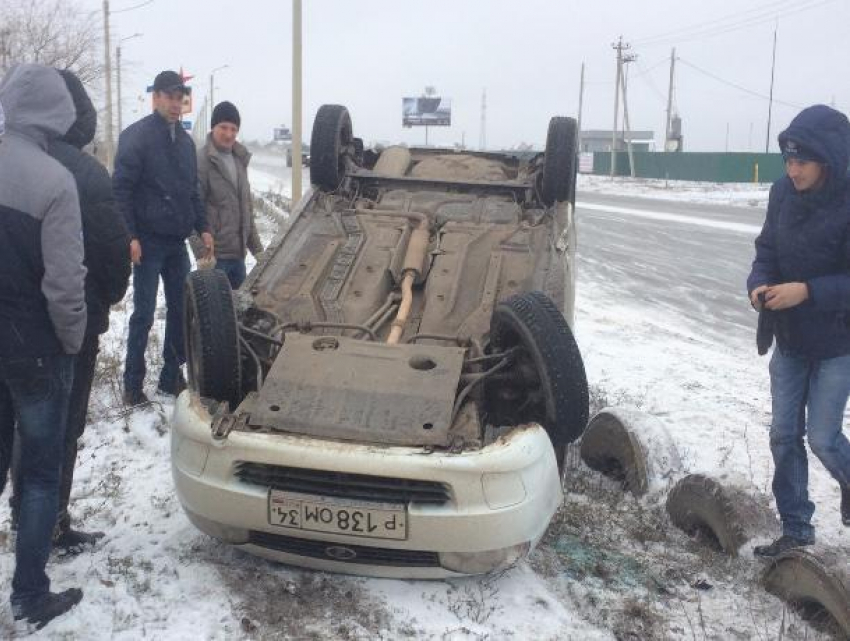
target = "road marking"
x: 741, y: 228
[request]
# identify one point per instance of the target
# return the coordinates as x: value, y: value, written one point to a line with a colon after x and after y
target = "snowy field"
x: 611, y: 566
x: 738, y: 194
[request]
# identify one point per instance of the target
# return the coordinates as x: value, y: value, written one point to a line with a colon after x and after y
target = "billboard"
x: 282, y: 134
x: 427, y: 111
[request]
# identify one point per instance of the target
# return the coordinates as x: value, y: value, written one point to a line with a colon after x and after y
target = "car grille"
x: 342, y: 485
x: 344, y: 553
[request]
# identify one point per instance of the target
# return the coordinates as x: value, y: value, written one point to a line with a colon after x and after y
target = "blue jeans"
x: 34, y: 394
x: 171, y: 261
x: 809, y: 396
x: 234, y: 269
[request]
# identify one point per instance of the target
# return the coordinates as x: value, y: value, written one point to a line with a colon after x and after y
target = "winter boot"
x: 173, y: 390
x: 34, y: 616
x: 133, y: 398
x: 780, y: 545
x: 70, y: 542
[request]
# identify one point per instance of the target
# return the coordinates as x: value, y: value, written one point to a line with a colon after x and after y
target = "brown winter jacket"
x: 230, y: 211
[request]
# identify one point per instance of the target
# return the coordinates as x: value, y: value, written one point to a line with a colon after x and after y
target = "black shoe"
x: 132, y: 398
x: 71, y: 541
x: 845, y: 506
x: 43, y: 610
x: 173, y: 390
x: 780, y: 545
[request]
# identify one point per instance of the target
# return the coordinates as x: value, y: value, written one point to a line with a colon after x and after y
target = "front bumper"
x: 500, y: 499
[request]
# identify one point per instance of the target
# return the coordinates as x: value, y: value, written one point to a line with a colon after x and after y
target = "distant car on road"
x: 392, y: 390
x: 305, y: 157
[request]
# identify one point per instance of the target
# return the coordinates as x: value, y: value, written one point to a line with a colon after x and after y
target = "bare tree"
x: 57, y: 33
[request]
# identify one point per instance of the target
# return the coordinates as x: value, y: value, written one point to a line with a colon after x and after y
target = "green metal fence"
x: 732, y: 167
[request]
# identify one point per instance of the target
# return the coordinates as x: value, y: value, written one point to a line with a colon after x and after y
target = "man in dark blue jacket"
x: 801, y: 273
x: 156, y: 188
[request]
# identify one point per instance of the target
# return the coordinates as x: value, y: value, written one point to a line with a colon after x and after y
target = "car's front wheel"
x: 545, y: 382
x: 212, y: 337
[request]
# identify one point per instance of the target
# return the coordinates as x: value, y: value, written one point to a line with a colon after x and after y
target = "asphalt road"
x: 680, y: 259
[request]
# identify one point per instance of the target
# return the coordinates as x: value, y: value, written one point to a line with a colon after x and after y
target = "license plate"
x: 337, y: 516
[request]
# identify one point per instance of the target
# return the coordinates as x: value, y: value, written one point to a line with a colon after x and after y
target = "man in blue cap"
x: 802, y: 273
x: 156, y: 189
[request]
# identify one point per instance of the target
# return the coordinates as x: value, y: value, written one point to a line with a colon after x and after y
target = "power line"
x: 689, y: 34
x: 138, y: 6
x: 704, y: 23
x: 736, y: 86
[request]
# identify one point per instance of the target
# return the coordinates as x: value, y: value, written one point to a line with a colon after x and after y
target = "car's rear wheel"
x: 560, y: 161
x: 545, y: 382
x: 212, y: 337
x: 331, y: 142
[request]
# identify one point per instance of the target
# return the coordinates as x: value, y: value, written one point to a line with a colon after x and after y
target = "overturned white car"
x: 392, y: 390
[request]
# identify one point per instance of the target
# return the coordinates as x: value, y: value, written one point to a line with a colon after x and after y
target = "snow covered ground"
x: 610, y: 567
x: 740, y: 194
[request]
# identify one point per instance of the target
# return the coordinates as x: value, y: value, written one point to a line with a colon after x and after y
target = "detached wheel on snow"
x: 331, y: 142
x: 546, y: 381
x: 212, y: 338
x: 816, y: 583
x: 560, y: 161
x: 723, y: 513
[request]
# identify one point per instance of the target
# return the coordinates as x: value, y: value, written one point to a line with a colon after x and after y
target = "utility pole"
x: 619, y: 46
x: 482, y: 135
x: 107, y: 50
x: 670, y: 101
x: 580, y: 103
x: 770, y: 102
x: 628, y: 128
x: 212, y: 83
x: 296, y: 101
x: 118, y: 78
x: 727, y: 137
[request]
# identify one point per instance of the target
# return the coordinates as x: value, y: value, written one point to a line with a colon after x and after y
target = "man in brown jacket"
x: 226, y: 194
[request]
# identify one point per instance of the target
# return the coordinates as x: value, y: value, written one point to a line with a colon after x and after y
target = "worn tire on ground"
x: 816, y: 583
x: 212, y: 338
x: 560, y: 401
x: 332, y: 139
x: 727, y: 514
x: 560, y: 162
x: 610, y: 446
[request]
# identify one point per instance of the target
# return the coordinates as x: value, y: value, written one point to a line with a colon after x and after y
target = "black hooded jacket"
x: 806, y: 238
x: 105, y: 236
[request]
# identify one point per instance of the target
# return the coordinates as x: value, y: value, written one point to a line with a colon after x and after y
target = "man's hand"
x: 754, y: 296
x: 786, y: 295
x: 207, y: 239
x: 136, y: 251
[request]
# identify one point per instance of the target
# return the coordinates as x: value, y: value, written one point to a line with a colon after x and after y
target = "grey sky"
x: 367, y: 54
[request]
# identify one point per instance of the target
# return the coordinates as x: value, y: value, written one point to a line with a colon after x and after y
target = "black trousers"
x: 77, y: 414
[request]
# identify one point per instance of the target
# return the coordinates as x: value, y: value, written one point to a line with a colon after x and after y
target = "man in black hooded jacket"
x: 107, y: 258
x: 801, y: 274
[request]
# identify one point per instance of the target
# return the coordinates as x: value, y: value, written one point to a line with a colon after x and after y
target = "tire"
x: 816, y: 583
x: 560, y: 161
x: 610, y: 446
x: 701, y: 505
x: 547, y: 383
x: 212, y: 337
x: 331, y: 141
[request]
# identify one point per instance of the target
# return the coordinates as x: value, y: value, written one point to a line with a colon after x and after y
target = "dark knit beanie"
x: 225, y: 112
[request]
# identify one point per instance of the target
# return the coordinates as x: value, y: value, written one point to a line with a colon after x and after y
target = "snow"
x: 156, y: 576
x: 736, y: 194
